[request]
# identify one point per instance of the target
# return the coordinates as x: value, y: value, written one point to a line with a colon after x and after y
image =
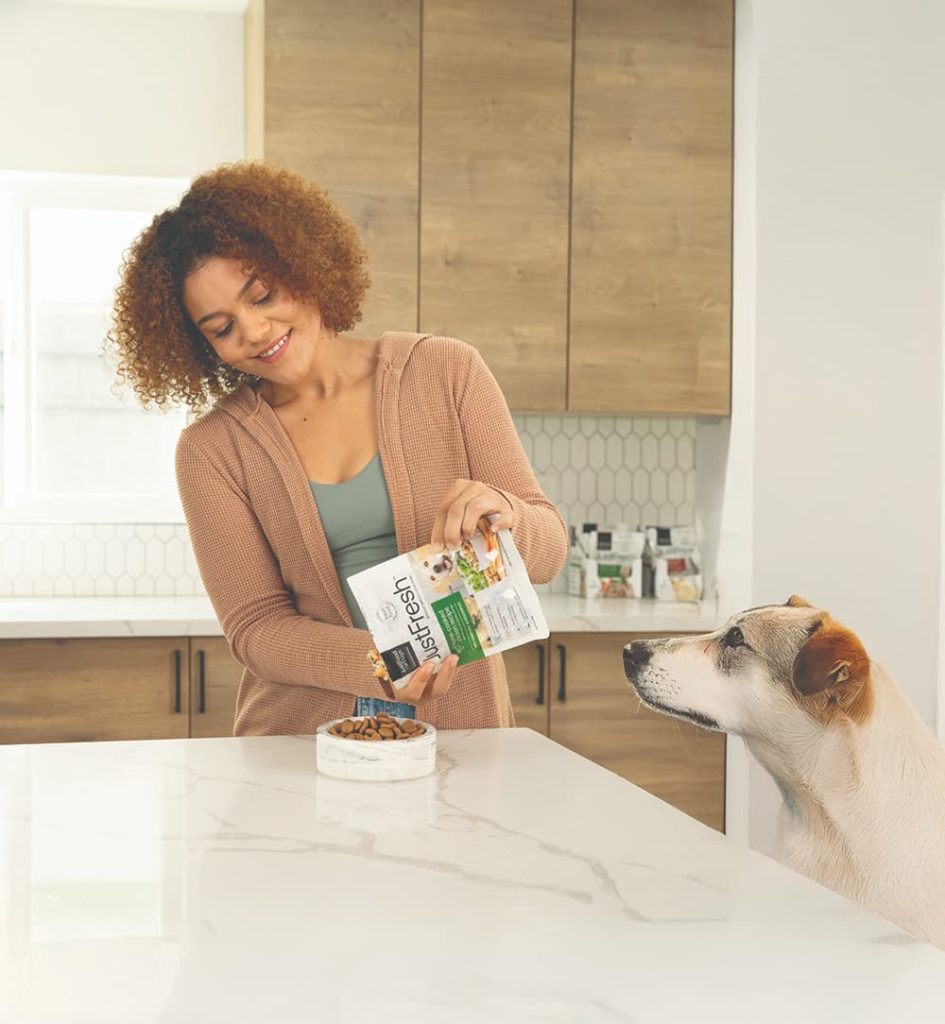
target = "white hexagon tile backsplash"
x: 615, y: 469
x: 605, y: 469
x: 100, y: 560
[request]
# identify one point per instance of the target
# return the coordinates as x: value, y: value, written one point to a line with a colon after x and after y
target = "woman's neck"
x: 338, y: 366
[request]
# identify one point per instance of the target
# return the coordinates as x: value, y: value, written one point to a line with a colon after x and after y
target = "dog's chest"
x: 812, y: 846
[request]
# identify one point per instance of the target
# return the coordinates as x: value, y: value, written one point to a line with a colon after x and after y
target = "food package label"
x: 474, y: 601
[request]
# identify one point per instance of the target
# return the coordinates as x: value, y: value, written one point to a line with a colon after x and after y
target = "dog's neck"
x: 840, y: 780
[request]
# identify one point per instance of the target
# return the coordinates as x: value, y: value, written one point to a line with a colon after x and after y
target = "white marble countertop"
x: 579, y: 615
x: 38, y: 617
x: 191, y: 881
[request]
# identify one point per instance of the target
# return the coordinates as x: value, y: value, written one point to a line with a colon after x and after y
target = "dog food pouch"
x: 671, y: 537
x: 674, y: 563
x: 427, y: 604
x: 677, y: 576
x: 617, y: 578
x: 605, y: 577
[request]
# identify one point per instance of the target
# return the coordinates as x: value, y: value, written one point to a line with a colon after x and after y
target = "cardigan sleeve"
x: 496, y: 458
x: 264, y: 629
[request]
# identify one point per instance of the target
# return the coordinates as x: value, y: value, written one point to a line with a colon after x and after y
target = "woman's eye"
x: 226, y: 330
x: 734, y: 638
x: 263, y: 299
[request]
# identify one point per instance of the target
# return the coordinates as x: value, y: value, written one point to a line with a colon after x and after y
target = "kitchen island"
x: 224, y: 880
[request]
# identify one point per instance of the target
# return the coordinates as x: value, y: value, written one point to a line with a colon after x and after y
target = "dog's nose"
x: 635, y: 656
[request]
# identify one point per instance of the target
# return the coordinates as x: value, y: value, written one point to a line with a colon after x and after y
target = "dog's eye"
x: 734, y: 638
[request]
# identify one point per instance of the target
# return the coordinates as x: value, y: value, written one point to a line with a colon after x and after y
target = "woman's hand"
x: 428, y: 682
x: 463, y: 505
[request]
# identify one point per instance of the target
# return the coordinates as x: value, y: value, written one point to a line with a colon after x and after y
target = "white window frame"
x: 20, y: 502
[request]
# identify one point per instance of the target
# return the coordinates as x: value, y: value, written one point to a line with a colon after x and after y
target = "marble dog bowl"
x: 375, y: 760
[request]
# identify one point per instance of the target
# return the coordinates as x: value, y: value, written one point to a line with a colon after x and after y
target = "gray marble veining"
x: 225, y: 880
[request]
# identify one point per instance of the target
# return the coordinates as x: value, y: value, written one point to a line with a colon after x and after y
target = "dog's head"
x: 438, y: 566
x: 776, y: 662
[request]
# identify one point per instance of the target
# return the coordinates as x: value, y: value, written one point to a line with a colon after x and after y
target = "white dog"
x: 863, y: 779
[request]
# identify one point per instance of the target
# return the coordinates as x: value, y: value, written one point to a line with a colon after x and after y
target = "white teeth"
x: 275, y: 348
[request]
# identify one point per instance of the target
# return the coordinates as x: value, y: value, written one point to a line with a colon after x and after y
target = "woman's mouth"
x: 276, y: 351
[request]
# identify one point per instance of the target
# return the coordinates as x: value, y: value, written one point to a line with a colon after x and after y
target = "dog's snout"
x: 635, y: 656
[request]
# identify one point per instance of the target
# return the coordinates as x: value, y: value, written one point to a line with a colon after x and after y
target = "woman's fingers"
x: 463, y: 511
x: 428, y: 682
x: 505, y: 522
x: 476, y: 511
x: 446, y: 505
x: 443, y: 680
x: 416, y: 685
x: 456, y: 514
x: 464, y: 504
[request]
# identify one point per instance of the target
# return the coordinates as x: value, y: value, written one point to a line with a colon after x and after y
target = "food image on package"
x: 474, y: 601
x: 674, y: 559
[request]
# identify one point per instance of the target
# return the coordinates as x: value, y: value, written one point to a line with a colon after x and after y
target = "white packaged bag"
x: 427, y: 604
x: 674, y: 559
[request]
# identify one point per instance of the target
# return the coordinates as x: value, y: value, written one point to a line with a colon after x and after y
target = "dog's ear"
x: 797, y: 602
x: 832, y: 670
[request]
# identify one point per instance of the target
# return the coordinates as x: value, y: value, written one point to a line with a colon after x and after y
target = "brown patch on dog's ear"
x: 797, y: 602
x: 832, y: 674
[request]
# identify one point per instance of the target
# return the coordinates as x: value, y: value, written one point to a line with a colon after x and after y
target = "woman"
x: 322, y: 454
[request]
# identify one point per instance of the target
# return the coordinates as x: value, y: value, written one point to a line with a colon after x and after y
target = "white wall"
x: 106, y: 90
x: 840, y: 108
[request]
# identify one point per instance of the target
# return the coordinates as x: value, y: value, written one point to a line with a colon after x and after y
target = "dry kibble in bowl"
x: 364, y: 748
x: 377, y: 727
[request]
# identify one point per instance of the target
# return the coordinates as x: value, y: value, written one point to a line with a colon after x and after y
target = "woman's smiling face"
x: 250, y: 324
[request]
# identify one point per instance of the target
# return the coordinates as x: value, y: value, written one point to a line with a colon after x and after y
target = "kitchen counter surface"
x: 49, y: 617
x: 193, y: 881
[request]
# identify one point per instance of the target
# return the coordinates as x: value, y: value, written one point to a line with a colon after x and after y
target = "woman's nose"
x: 258, y: 330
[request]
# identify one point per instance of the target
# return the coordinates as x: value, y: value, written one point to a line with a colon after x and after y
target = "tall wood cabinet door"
x: 214, y: 682
x: 56, y: 691
x: 595, y: 712
x: 527, y: 671
x: 342, y: 108
x: 651, y: 214
x: 495, y: 187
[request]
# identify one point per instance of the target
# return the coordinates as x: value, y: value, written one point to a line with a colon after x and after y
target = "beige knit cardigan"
x: 265, y: 561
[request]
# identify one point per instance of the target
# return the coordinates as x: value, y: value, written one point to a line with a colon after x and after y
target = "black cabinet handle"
x: 202, y: 682
x: 562, y: 672
x: 540, y: 699
x: 177, y: 704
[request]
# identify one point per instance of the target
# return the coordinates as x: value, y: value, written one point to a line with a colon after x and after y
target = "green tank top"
x: 358, y: 522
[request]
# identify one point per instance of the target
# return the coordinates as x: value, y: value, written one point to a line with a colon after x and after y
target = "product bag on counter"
x: 607, y: 570
x: 673, y: 562
x: 423, y: 606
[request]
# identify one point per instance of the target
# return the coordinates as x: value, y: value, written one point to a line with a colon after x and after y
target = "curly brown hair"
x: 274, y: 221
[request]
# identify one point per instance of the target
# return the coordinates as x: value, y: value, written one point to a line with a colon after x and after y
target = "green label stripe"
x: 605, y: 571
x: 458, y: 628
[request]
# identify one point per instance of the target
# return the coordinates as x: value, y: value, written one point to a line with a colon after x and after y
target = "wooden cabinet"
x: 651, y: 198
x: 527, y: 671
x: 595, y: 712
x: 142, y: 688
x: 550, y: 181
x: 342, y: 108
x: 54, y: 691
x: 494, y: 187
x: 214, y: 683
x: 591, y: 709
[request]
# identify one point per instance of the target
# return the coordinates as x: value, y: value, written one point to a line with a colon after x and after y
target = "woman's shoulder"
x: 432, y: 356
x: 217, y: 425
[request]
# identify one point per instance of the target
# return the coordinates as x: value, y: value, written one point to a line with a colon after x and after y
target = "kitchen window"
x: 75, y: 447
